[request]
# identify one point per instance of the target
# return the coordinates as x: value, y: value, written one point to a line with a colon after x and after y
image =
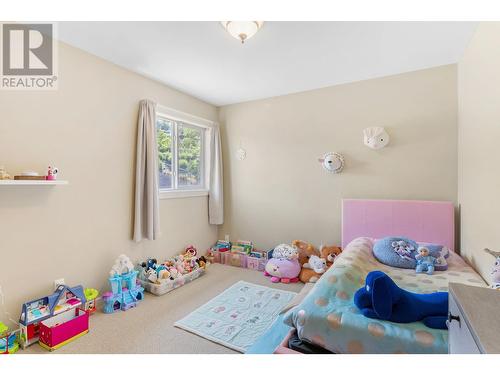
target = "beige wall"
x: 479, y: 153
x: 88, y: 129
x: 280, y: 192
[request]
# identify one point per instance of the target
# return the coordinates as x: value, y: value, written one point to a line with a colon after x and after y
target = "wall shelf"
x: 32, y: 182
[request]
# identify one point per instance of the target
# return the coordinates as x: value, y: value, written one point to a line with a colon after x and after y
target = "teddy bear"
x: 329, y: 253
x: 306, y: 251
x: 316, y: 263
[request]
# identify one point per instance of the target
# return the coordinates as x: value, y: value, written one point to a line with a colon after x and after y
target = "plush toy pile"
x: 300, y: 261
x: 153, y: 271
x: 314, y: 262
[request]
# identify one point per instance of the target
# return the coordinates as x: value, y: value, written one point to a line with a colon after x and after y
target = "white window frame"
x: 195, y: 122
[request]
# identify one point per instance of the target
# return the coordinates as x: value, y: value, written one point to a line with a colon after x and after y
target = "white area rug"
x: 237, y: 317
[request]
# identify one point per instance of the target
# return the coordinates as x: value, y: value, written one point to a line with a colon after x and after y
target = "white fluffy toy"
x: 122, y: 265
x: 316, y: 263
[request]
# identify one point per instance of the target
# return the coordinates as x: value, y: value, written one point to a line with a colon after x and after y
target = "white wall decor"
x: 332, y: 162
x: 376, y: 137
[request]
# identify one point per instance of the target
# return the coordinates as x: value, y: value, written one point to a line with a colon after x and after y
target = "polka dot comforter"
x: 328, y: 317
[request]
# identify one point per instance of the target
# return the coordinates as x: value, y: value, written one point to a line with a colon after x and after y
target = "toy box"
x: 253, y: 263
x: 237, y: 260
x: 63, y: 328
x: 167, y: 285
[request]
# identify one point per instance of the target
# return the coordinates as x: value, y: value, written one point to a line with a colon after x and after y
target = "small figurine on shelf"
x: 52, y: 173
x: 91, y: 296
x: 3, y: 174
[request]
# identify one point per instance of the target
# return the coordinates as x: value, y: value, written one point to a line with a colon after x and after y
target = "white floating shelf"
x: 32, y: 182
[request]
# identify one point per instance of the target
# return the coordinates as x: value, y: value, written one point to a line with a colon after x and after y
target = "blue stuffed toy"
x: 382, y: 299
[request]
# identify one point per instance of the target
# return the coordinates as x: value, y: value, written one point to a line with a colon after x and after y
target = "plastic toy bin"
x: 63, y: 328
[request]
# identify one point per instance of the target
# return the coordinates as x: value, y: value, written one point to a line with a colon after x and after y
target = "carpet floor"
x: 149, y: 328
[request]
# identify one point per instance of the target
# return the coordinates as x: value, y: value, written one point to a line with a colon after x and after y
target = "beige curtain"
x: 147, y: 204
x: 215, y: 194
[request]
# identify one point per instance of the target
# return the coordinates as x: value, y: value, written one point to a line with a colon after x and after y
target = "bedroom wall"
x: 88, y: 129
x: 280, y: 191
x: 479, y: 154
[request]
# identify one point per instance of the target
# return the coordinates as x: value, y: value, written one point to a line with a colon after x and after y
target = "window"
x: 181, y: 154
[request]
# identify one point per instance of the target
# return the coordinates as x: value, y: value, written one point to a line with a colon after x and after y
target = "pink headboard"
x: 422, y: 221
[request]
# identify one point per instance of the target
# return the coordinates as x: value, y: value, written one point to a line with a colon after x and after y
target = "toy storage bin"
x: 237, y: 260
x: 168, y: 285
x: 262, y: 264
x: 225, y: 258
x: 217, y: 257
x: 253, y: 263
x: 63, y: 328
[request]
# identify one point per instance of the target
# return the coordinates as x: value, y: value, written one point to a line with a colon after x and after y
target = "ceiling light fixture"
x: 242, y: 30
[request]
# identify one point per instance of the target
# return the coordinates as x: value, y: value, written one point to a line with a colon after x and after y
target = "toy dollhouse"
x: 54, y: 320
x: 126, y: 290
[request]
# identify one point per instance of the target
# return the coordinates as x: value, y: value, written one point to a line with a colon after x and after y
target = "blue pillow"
x: 396, y: 252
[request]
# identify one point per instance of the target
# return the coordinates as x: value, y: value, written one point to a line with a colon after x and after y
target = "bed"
x: 327, y: 317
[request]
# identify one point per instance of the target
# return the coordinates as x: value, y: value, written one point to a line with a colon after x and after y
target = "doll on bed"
x: 425, y: 262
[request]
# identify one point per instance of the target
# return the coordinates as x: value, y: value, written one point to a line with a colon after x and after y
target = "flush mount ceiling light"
x: 242, y: 30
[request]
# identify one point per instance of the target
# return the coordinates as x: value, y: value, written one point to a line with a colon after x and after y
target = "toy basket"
x: 169, y: 285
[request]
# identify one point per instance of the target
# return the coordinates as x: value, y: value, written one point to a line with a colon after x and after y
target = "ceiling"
x: 201, y: 59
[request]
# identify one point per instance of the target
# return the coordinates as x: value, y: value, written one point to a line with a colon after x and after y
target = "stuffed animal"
x: 284, y: 251
x: 425, y: 262
x: 152, y: 275
x: 381, y: 298
x: 306, y: 250
x: 282, y: 269
x: 190, y: 252
x: 316, y: 263
x: 150, y: 263
x: 174, y: 274
x: 202, y: 262
x: 329, y: 253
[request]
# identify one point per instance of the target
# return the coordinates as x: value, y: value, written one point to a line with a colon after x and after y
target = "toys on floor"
x: 284, y: 265
x: 91, y: 296
x: 425, y: 262
x: 316, y: 264
x: 160, y: 278
x: 54, y: 320
x: 306, y: 250
x: 126, y: 290
x: 9, y: 342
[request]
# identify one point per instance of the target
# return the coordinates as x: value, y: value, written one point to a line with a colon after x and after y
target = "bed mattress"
x: 327, y: 316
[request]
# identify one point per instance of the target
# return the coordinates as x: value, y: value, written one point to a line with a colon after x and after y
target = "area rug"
x: 237, y: 317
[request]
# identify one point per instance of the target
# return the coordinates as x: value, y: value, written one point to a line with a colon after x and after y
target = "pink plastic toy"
x: 284, y: 270
x: 52, y: 173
